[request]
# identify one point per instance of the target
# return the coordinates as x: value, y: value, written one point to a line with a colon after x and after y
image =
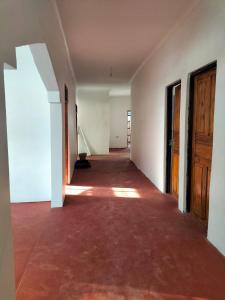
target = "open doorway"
x: 173, y: 138
x: 129, y: 115
x: 201, y: 123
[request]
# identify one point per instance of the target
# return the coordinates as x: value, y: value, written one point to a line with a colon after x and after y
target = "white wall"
x: 28, y: 131
x: 25, y: 22
x: 94, y: 119
x: 103, y: 118
x: 118, y: 121
x: 196, y: 41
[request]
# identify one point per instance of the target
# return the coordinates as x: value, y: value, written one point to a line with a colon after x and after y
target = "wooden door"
x: 202, y: 142
x: 76, y: 130
x: 66, y: 137
x: 175, y: 142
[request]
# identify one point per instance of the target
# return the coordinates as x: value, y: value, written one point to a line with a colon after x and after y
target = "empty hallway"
x: 117, y: 237
x: 136, y: 89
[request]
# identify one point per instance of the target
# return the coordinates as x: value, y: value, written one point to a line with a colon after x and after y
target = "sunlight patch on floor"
x: 125, y: 192
x: 117, y: 192
x: 109, y: 292
x: 77, y: 190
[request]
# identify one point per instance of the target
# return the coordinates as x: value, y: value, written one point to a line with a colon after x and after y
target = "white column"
x: 184, y: 111
x: 7, y: 278
x: 57, y: 186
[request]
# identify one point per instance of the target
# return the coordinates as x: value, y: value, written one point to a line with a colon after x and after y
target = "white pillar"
x: 7, y: 278
x: 184, y: 112
x: 57, y: 184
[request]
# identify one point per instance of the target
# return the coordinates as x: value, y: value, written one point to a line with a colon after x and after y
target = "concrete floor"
x: 117, y: 237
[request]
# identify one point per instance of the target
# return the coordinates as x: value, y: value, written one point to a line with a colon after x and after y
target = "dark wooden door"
x: 66, y: 137
x: 202, y: 142
x: 76, y: 129
x: 175, y: 142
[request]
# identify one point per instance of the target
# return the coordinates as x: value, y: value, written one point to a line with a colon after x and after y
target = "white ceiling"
x: 116, y: 33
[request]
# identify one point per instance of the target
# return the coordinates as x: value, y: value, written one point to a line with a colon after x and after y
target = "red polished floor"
x: 117, y: 237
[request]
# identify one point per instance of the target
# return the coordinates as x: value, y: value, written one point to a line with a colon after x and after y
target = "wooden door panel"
x: 175, y: 142
x: 204, y: 152
x: 200, y: 195
x: 202, y: 142
x: 198, y: 188
x: 212, y: 104
x: 202, y: 86
x: 175, y: 174
x: 207, y: 192
x: 176, y: 123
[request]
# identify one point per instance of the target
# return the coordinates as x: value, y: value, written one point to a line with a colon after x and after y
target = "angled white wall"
x: 28, y: 131
x: 197, y: 41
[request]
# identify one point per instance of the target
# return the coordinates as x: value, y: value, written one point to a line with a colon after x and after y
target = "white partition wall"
x: 28, y: 131
x: 34, y: 128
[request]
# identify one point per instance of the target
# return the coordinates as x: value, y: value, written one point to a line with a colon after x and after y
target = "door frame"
x: 203, y: 69
x: 169, y: 128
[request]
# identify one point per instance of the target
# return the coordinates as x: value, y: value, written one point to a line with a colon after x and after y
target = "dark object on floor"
x: 82, y: 164
x: 82, y: 156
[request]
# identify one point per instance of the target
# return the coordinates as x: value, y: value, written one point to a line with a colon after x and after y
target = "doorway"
x: 173, y: 138
x: 201, y: 120
x: 129, y: 114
